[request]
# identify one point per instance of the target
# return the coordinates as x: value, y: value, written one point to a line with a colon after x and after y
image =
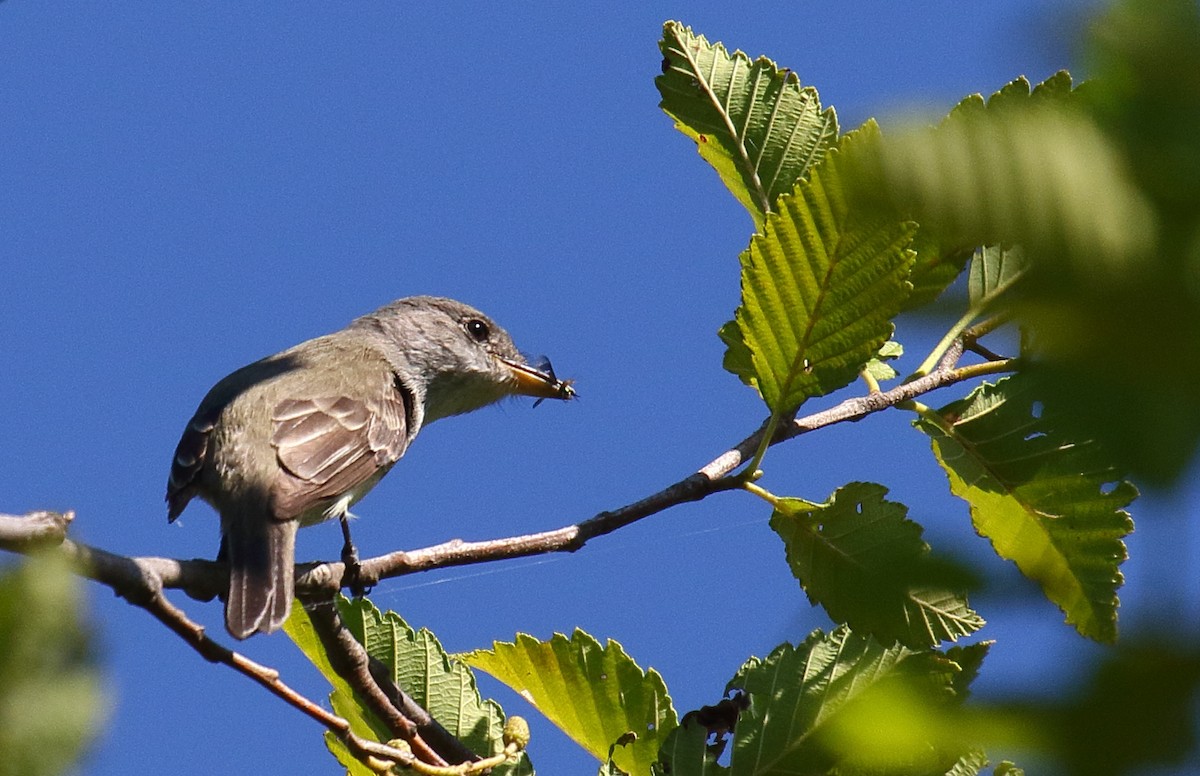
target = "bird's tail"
x: 261, y: 554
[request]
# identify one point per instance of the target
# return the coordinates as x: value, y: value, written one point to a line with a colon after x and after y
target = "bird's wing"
x: 189, y: 460
x: 328, y: 445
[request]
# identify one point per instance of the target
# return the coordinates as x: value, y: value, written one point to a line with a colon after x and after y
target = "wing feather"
x: 328, y: 446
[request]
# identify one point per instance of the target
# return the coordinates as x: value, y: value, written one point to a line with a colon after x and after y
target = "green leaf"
x: 1017, y: 95
x: 819, y: 706
x: 969, y: 659
x: 345, y: 703
x: 970, y: 764
x: 421, y: 667
x: 820, y: 286
x: 866, y: 564
x: 595, y: 694
x: 687, y: 752
x: 878, y: 367
x: 1028, y: 168
x: 1052, y: 503
x: 936, y: 267
x: 51, y: 702
x: 752, y: 121
x: 993, y: 270
x: 738, y: 358
x: 1134, y: 714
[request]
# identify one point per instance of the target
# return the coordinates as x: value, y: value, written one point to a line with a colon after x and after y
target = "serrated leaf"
x: 595, y: 694
x: 970, y: 764
x: 1017, y: 95
x: 51, y: 702
x: 994, y: 268
x: 1052, y: 504
x: 861, y: 559
x: 820, y: 286
x: 752, y: 121
x: 363, y: 723
x: 1026, y: 168
x: 806, y: 704
x: 738, y: 358
x: 421, y: 667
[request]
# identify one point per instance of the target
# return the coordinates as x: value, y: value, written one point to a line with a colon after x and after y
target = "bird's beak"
x: 536, y: 382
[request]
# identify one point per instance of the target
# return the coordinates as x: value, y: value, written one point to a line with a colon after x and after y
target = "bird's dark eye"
x: 479, y: 330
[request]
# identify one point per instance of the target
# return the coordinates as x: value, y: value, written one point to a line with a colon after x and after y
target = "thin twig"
x: 144, y: 591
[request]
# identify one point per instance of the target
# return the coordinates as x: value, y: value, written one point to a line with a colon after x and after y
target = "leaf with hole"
x: 1052, y: 503
x: 860, y: 558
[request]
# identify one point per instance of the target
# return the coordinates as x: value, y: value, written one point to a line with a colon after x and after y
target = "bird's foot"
x: 353, y: 578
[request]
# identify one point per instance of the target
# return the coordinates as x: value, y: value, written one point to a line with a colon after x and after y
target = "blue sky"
x: 185, y: 188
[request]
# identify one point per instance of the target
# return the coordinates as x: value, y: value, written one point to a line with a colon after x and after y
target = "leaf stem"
x: 960, y: 326
x: 944, y: 344
x: 761, y: 492
x: 751, y: 472
x: 986, y: 368
x: 869, y: 379
x: 988, y: 325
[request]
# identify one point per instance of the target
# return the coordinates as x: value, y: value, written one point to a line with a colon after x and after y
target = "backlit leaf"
x: 820, y: 286
x: 752, y: 121
x: 1051, y: 503
x: 595, y: 694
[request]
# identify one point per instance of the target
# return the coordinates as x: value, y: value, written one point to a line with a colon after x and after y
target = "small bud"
x: 516, y: 732
x: 401, y: 744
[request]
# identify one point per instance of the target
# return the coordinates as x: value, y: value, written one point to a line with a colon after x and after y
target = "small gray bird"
x: 298, y: 437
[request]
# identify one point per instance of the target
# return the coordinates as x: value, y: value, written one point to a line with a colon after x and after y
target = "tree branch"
x: 141, y: 580
x: 204, y: 579
x: 372, y: 680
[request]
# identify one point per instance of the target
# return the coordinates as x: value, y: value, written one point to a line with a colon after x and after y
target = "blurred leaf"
x: 1034, y: 171
x: 1137, y: 710
x: 596, y: 695
x: 1005, y: 768
x: 807, y: 706
x: 936, y: 267
x: 1052, y: 503
x: 969, y: 659
x: 1122, y: 349
x: 422, y: 668
x: 1018, y: 95
x: 820, y: 286
x: 753, y: 122
x: 1145, y: 59
x: 878, y: 367
x: 865, y: 563
x: 970, y: 764
x: 1098, y: 186
x: 50, y: 695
